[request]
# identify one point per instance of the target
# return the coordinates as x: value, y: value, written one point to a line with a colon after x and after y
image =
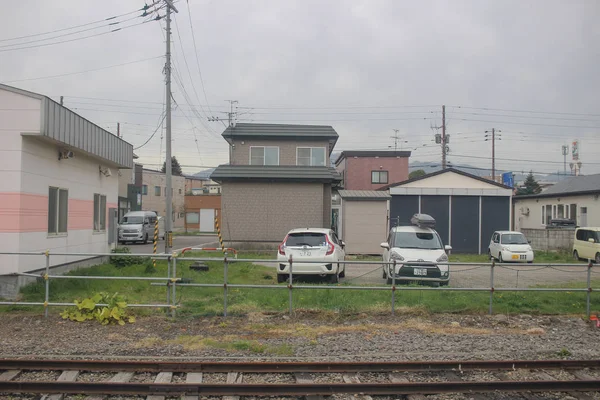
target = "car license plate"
x: 515, y: 257
x: 420, y: 271
x: 305, y: 253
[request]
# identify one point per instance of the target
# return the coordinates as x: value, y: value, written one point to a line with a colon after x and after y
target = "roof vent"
x: 423, y: 221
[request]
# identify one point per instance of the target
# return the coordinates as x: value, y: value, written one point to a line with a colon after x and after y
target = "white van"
x: 137, y: 226
x: 587, y: 244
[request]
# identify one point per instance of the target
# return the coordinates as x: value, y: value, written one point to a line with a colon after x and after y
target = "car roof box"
x: 423, y: 221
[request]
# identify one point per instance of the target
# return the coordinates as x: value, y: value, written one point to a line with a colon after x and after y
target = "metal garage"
x: 363, y: 220
x: 467, y: 208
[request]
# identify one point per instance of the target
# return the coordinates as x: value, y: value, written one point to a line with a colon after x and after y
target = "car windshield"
x: 513, y: 238
x: 417, y: 240
x: 132, y: 220
x: 312, y: 239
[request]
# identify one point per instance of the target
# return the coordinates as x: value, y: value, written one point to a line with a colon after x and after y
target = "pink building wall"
x: 357, y: 171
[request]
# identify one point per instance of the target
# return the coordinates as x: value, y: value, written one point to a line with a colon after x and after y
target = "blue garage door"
x: 438, y: 208
x: 465, y: 224
x: 495, y: 216
x: 402, y: 208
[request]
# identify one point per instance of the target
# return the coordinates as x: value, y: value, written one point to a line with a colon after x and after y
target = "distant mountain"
x: 205, y: 174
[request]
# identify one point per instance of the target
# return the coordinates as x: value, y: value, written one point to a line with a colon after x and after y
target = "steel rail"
x: 289, y: 367
x: 294, y: 389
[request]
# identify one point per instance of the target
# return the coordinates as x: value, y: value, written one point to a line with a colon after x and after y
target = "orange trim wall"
x: 196, y: 203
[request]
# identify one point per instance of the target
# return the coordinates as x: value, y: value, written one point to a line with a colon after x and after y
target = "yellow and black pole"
x: 155, y: 241
x: 219, y: 233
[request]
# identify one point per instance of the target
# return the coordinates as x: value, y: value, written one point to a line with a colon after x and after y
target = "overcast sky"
x: 527, y: 68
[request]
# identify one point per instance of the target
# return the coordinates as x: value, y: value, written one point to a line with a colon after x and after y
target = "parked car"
x: 419, y: 253
x: 511, y: 246
x: 137, y: 226
x: 587, y: 244
x: 321, y: 246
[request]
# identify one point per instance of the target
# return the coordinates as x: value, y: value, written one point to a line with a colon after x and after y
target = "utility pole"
x: 565, y: 151
x: 61, y: 100
x: 396, y: 138
x: 231, y: 115
x: 493, y: 138
x: 118, y: 129
x: 444, y: 137
x: 168, y: 166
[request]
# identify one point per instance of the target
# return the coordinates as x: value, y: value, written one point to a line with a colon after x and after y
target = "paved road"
x: 179, y: 242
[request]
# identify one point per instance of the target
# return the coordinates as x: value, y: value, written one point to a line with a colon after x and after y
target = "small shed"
x: 467, y: 208
x: 364, y: 220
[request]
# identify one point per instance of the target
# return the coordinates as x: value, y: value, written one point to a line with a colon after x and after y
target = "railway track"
x: 157, y: 380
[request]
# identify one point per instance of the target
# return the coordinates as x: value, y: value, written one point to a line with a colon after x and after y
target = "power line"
x: 73, y: 27
x: 76, y: 39
x: 527, y: 111
x: 83, y: 72
x: 153, y: 133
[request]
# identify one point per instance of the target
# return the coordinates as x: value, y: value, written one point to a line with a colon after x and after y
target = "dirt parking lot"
x: 517, y: 275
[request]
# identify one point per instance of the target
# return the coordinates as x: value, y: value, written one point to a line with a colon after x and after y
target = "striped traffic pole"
x: 155, y: 241
x: 219, y: 233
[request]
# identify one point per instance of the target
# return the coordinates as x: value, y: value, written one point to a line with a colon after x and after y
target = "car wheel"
x: 343, y: 273
x: 281, y: 278
x: 492, y: 258
x: 597, y: 259
x: 530, y: 262
x: 444, y: 283
x: 576, y: 255
x: 500, y: 260
x: 335, y: 278
x: 384, y: 274
x: 389, y: 281
x: 435, y: 284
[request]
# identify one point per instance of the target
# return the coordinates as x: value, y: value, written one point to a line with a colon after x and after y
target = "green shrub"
x: 88, y: 310
x: 124, y: 261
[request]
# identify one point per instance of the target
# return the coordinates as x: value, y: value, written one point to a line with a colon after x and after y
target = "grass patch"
x: 228, y: 343
x: 328, y: 303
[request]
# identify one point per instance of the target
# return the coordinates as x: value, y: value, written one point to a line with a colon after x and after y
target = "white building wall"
x: 80, y: 175
x: 534, y: 218
x: 449, y: 180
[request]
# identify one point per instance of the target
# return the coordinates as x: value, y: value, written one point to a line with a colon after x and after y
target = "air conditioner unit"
x: 525, y: 210
x: 62, y: 154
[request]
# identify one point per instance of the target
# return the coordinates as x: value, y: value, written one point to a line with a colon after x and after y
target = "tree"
x: 416, y: 174
x: 531, y: 186
x: 175, y: 167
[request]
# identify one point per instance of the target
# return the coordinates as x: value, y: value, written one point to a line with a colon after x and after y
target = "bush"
x: 124, y: 261
x: 88, y: 309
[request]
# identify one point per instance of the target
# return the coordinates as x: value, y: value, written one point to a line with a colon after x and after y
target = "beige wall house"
x: 364, y: 220
x: 278, y: 179
x: 576, y: 198
x: 154, y: 191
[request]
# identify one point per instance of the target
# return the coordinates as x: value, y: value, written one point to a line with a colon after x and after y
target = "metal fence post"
x: 225, y: 267
x: 589, y: 287
x: 169, y: 280
x: 394, y: 287
x: 47, y: 279
x: 173, y: 281
x: 492, y: 287
x: 290, y: 285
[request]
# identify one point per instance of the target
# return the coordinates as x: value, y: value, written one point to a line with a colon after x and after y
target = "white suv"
x: 321, y: 246
x: 419, y: 254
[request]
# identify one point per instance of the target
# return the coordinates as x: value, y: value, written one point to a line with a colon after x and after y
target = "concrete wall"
x: 287, y: 150
x: 528, y: 212
x: 550, y: 239
x: 266, y: 212
x: 357, y: 171
x: 364, y: 226
x: 151, y: 202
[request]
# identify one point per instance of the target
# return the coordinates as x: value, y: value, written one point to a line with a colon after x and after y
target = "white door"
x: 583, y: 218
x: 207, y: 220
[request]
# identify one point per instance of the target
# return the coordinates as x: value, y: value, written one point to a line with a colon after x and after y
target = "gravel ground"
x: 309, y: 336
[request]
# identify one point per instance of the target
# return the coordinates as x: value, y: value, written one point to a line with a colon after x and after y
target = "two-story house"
x: 278, y: 178
x: 371, y: 170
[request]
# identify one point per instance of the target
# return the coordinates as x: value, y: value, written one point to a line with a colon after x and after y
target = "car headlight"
x: 529, y: 248
x: 443, y: 257
x: 504, y: 248
x: 396, y: 256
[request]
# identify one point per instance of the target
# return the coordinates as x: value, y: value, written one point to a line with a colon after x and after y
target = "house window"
x: 264, y: 155
x: 573, y: 212
x: 145, y: 190
x: 543, y: 215
x: 99, y: 212
x: 179, y: 191
x: 379, y: 177
x: 157, y: 190
x: 58, y: 210
x: 310, y: 156
x: 560, y: 211
x: 548, y: 213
